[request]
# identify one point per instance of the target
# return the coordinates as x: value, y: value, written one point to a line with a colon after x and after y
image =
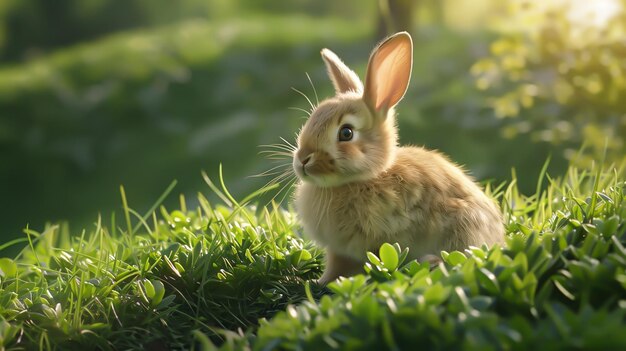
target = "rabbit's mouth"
x: 313, y: 163
x: 323, y: 178
x: 317, y: 173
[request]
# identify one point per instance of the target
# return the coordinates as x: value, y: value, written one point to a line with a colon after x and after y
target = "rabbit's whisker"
x: 285, y: 147
x: 277, y: 158
x: 276, y: 155
x: 288, y: 143
x: 287, y: 178
x: 286, y: 174
x: 306, y: 97
x: 283, y: 174
x: 273, y: 182
x: 317, y: 100
x: 277, y: 151
x: 271, y: 171
x: 308, y: 113
x: 286, y: 187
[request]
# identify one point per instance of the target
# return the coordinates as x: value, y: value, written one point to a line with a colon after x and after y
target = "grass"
x: 204, y: 276
x: 209, y: 269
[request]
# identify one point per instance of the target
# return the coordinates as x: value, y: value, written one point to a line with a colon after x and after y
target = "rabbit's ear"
x: 389, y: 72
x: 344, y: 79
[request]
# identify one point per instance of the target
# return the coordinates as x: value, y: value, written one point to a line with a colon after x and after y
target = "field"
x: 130, y: 136
x: 239, y: 276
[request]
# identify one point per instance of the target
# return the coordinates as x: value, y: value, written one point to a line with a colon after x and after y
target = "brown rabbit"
x: 359, y: 189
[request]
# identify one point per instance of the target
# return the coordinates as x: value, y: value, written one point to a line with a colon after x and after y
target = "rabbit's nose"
x: 306, y: 159
x: 305, y: 155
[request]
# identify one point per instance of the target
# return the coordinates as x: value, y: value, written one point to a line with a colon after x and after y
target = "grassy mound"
x: 558, y: 283
x: 214, y: 268
x: 204, y: 277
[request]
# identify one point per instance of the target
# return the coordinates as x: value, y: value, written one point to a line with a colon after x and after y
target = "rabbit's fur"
x: 355, y: 194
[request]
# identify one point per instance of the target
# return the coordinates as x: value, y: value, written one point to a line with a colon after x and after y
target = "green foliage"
x: 561, y: 73
x: 558, y: 283
x: 78, y: 120
x: 205, y: 277
x: 212, y: 269
x: 29, y: 28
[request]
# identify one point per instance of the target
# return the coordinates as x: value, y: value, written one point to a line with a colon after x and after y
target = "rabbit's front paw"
x: 433, y: 260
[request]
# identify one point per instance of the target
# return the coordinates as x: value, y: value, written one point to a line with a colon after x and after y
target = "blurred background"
x: 95, y: 94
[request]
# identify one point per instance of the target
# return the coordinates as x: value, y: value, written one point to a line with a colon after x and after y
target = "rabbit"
x: 357, y: 188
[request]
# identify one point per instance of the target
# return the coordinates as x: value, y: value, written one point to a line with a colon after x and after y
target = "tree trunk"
x: 395, y: 16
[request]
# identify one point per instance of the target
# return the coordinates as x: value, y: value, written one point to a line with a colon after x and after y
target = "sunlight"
x: 594, y: 13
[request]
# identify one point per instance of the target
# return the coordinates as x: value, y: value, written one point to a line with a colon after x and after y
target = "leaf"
x: 171, y: 265
x: 295, y: 257
x: 455, y: 258
x: 166, y: 301
x: 604, y: 197
x: 150, y: 292
x: 591, y: 228
x: 171, y: 250
x: 8, y: 268
x: 179, y: 267
x: 203, y: 341
x: 521, y: 262
x: 411, y: 268
x: 610, y: 225
x: 298, y: 256
x: 619, y: 247
x: 159, y: 292
x: 478, y: 252
x: 543, y: 296
x: 403, y: 254
x: 563, y: 290
x: 388, y: 335
x: 305, y: 255
x: 530, y: 284
x: 389, y: 256
x: 488, y: 280
x: 468, y: 269
x: 374, y: 259
x: 481, y: 302
x: 96, y: 326
x: 436, y: 294
x: 367, y: 308
x: 555, y: 312
x: 462, y: 298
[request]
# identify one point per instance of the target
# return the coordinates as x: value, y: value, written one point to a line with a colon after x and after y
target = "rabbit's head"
x: 352, y: 136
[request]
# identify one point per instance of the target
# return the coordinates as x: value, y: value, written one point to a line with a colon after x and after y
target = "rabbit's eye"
x: 346, y: 133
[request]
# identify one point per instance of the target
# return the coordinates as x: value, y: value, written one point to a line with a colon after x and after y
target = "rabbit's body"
x: 422, y: 201
x: 358, y: 189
